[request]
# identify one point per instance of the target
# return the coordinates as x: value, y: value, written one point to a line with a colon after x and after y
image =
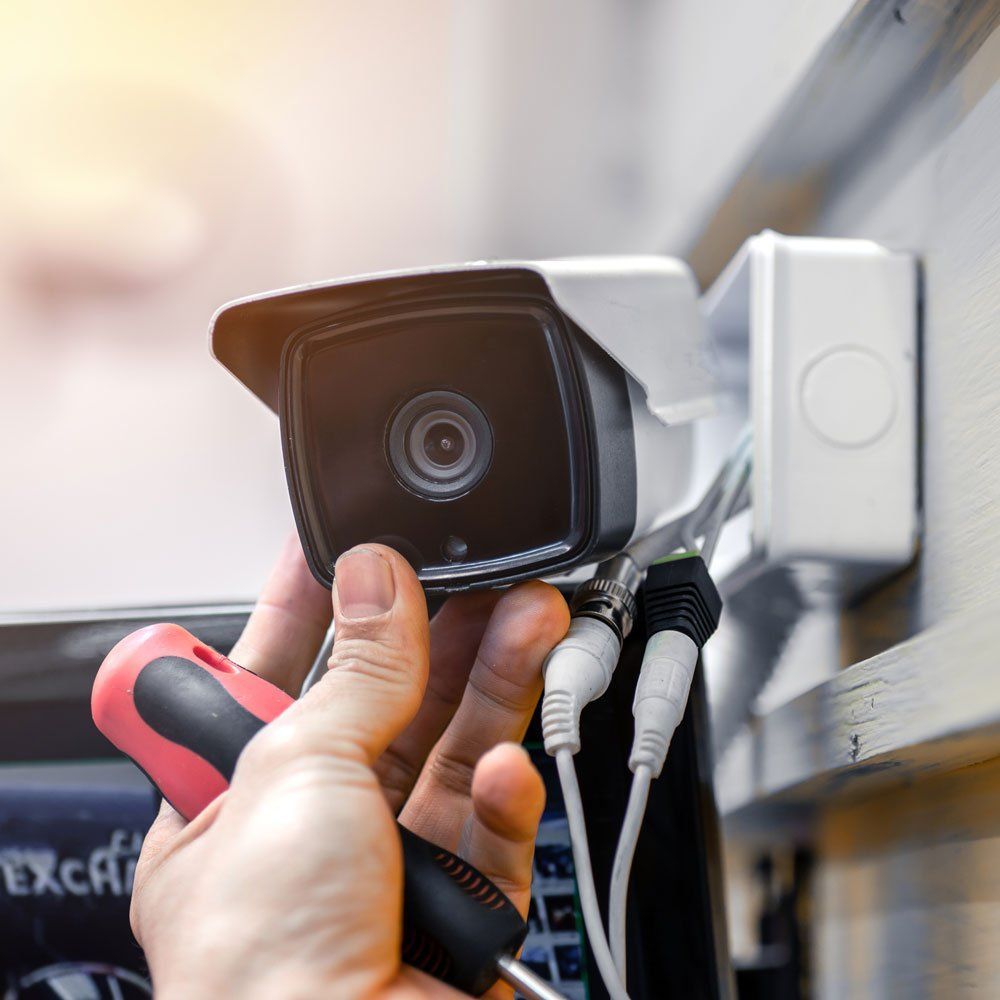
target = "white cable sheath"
x: 661, y: 696
x: 585, y: 875
x: 627, y: 839
x: 576, y: 672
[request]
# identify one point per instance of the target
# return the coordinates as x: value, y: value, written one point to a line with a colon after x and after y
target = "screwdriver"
x: 183, y: 713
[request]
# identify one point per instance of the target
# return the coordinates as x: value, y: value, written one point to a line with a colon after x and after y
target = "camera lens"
x: 439, y: 444
x: 444, y: 443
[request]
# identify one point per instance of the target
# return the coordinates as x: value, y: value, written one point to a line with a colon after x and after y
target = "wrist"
x: 265, y: 981
x: 192, y: 987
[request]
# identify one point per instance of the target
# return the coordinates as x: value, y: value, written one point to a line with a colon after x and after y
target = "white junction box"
x: 817, y: 341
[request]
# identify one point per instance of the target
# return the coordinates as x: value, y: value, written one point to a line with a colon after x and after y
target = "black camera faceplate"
x: 343, y: 379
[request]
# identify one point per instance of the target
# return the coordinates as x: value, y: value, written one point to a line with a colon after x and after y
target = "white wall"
x: 157, y: 160
x: 618, y: 125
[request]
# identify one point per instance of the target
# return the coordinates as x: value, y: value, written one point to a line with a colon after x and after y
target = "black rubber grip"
x: 214, y: 725
x: 456, y: 922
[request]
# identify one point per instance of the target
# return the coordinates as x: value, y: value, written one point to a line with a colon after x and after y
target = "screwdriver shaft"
x: 533, y: 987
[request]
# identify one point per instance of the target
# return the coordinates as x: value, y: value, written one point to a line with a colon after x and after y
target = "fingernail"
x: 365, y: 586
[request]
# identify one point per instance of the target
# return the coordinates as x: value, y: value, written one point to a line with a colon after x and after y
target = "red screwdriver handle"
x: 184, y: 713
x: 181, y: 711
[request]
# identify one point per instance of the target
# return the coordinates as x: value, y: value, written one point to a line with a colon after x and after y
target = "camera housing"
x: 491, y: 421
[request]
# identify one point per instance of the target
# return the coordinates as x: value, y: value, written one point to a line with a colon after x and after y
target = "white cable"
x: 665, y: 677
x: 689, y: 538
x: 579, y: 670
x: 729, y: 501
x: 322, y: 662
x: 585, y: 875
x: 685, y: 529
x: 620, y: 872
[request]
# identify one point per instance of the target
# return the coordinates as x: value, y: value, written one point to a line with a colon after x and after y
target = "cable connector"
x: 579, y: 669
x: 576, y: 672
x: 682, y: 608
x: 609, y: 596
x: 608, y: 601
x: 681, y: 596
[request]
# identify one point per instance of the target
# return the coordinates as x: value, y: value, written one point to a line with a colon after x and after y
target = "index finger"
x: 455, y: 633
x: 503, y: 688
x: 288, y: 624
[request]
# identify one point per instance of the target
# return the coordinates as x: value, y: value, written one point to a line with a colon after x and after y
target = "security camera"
x: 491, y: 421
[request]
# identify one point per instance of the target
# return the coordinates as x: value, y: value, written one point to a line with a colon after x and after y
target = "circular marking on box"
x: 848, y: 397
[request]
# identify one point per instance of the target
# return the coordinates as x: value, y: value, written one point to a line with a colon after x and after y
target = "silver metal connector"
x: 610, y: 595
x: 623, y: 569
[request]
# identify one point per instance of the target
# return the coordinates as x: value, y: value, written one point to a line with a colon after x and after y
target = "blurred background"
x: 158, y: 160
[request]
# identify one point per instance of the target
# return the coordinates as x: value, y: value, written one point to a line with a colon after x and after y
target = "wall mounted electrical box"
x: 816, y: 341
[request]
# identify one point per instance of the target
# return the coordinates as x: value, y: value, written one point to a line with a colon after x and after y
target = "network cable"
x: 682, y: 611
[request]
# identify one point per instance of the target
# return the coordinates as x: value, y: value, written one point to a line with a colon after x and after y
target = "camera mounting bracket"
x: 816, y: 340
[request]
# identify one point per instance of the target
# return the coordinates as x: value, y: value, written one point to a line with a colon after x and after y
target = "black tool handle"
x: 184, y: 712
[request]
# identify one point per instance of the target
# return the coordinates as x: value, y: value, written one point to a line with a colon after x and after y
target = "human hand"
x: 290, y: 884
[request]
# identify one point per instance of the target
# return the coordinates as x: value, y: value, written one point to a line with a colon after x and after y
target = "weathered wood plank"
x: 926, y: 705
x: 907, y: 899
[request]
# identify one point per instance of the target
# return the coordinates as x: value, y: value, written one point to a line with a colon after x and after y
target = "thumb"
x: 378, y: 668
